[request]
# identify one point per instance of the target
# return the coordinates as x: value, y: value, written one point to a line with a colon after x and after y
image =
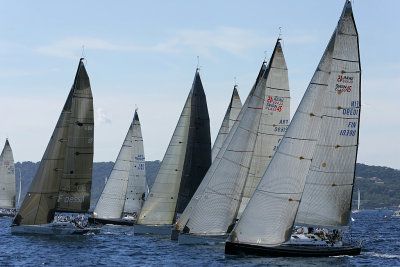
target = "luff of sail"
x: 183, y: 219
x: 198, y: 150
x: 269, y: 216
x: 160, y: 205
x: 112, y: 199
x: 273, y: 124
x: 7, y: 178
x: 137, y: 183
x: 76, y: 182
x: 329, y: 185
x: 232, y: 112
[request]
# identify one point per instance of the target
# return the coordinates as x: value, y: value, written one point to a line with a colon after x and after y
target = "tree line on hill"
x: 379, y: 186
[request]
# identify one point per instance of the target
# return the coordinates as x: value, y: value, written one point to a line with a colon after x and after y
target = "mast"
x: 40, y: 202
x: 7, y: 178
x: 112, y: 199
x: 358, y: 202
x: 198, y: 150
x: 137, y: 183
x: 269, y: 216
x: 232, y: 112
x: 20, y: 187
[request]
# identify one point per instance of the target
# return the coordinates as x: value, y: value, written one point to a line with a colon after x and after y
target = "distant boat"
x: 397, y: 213
x: 358, y: 202
x: 243, y: 158
x: 7, y: 182
x: 232, y: 112
x: 311, y: 176
x: 124, y: 193
x: 183, y: 167
x: 63, y: 181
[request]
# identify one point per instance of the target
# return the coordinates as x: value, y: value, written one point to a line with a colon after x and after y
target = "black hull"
x: 111, y: 221
x: 290, y: 250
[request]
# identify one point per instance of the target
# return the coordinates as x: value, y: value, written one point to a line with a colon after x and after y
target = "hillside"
x: 379, y: 186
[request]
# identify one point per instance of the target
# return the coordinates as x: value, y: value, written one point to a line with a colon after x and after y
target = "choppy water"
x: 119, y: 246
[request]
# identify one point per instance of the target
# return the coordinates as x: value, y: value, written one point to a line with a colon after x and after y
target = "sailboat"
x: 63, y: 181
x: 231, y: 114
x: 215, y: 213
x: 396, y: 214
x: 124, y: 192
x: 358, y: 202
x: 183, y: 167
x: 7, y: 182
x: 311, y: 176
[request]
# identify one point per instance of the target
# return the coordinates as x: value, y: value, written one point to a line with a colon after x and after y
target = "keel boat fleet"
x: 268, y: 186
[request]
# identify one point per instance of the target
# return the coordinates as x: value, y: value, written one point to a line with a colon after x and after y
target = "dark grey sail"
x: 39, y: 205
x: 198, y: 150
x: 76, y: 182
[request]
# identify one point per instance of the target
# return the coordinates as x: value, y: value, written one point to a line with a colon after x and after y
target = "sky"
x: 144, y: 54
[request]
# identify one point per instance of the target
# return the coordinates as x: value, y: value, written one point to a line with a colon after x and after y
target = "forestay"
x: 269, y: 216
x: 7, y: 178
x: 137, y: 183
x: 112, y: 199
x: 232, y: 112
x: 273, y: 124
x: 329, y: 185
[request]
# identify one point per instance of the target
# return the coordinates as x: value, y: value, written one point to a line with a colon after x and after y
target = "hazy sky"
x: 144, y: 54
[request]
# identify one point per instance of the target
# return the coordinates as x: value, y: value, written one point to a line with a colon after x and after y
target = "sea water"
x: 118, y: 246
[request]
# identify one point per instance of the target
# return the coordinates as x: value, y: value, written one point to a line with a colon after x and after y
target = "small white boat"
x: 397, y: 213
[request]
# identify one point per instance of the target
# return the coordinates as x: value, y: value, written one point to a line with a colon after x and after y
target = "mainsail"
x: 187, y: 158
x: 137, y: 183
x: 326, y: 121
x: 217, y: 207
x: 7, y: 178
x: 232, y: 112
x: 198, y: 150
x: 39, y: 205
x: 112, y: 199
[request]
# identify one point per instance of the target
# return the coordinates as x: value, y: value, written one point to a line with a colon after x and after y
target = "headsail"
x: 269, y: 216
x: 7, y: 178
x: 183, y: 219
x: 112, y: 199
x: 137, y: 183
x: 76, y: 181
x: 160, y: 205
x: 329, y: 185
x: 198, y: 151
x: 39, y: 204
x: 273, y: 124
x: 232, y: 112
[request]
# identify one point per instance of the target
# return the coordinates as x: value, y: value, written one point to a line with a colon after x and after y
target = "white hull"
x: 191, y: 239
x: 53, y: 229
x: 140, y: 229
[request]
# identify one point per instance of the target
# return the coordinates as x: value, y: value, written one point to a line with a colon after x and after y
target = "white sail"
x: 183, y: 219
x: 159, y: 207
x: 7, y: 178
x: 112, y: 199
x: 231, y: 114
x: 269, y: 216
x: 273, y: 124
x: 329, y: 185
x: 137, y: 184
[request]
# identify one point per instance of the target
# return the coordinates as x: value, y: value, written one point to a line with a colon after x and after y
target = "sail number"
x: 349, y: 132
x: 280, y: 129
x: 141, y: 166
